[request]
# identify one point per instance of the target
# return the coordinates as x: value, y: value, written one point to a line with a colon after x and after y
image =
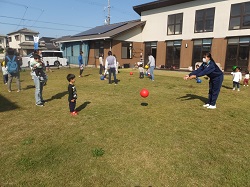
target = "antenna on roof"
x: 107, y: 20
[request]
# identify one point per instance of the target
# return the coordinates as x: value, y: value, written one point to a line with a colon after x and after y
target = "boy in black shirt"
x: 72, y: 94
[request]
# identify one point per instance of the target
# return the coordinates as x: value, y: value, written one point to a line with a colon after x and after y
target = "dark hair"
x: 10, y: 51
x: 149, y: 54
x: 81, y: 52
x: 109, y: 53
x: 36, y: 51
x: 36, y: 56
x: 209, y: 56
x: 247, y: 72
x: 70, y: 77
x: 100, y: 55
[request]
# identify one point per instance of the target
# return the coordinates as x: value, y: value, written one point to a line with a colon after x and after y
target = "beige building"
x: 22, y: 40
x: 179, y: 32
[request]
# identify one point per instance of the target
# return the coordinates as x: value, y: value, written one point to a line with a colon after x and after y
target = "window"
x: 175, y: 24
x: 240, y: 16
x: 17, y: 37
x: 1, y: 41
x: 204, y: 20
x: 127, y: 49
x: 237, y: 53
x: 9, y: 39
x: 99, y: 48
x: 173, y: 54
x: 150, y: 47
x: 201, y: 47
x: 28, y: 38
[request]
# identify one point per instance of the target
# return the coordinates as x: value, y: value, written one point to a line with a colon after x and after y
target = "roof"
x: 30, y: 45
x: 24, y: 30
x: 103, y: 32
x: 46, y: 39
x: 157, y: 4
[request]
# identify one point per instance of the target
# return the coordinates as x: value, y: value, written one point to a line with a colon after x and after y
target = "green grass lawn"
x: 116, y: 141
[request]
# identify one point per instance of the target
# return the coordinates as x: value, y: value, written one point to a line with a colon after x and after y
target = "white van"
x: 55, y: 58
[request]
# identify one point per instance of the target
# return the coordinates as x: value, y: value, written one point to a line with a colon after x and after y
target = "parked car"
x: 55, y: 58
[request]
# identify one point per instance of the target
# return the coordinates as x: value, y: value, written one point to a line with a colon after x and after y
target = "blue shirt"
x: 80, y: 60
x: 210, y: 69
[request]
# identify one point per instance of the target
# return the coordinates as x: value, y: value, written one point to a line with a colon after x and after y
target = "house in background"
x: 49, y: 43
x: 2, y: 46
x: 179, y: 32
x: 22, y: 40
x: 123, y: 39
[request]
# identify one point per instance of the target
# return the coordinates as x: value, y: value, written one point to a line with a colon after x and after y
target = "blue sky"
x: 55, y: 18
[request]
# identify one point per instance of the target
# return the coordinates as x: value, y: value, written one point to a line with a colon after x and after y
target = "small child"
x: 141, y: 70
x: 72, y: 94
x: 237, y: 76
x: 246, y: 78
x: 37, y: 66
x: 5, y: 72
x: 48, y: 67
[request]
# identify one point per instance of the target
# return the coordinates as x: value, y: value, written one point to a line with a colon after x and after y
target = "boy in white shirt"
x: 5, y: 72
x: 237, y: 77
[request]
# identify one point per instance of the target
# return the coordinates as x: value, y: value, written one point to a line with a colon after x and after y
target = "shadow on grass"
x: 6, y: 105
x: 57, y: 96
x: 82, y: 106
x: 227, y: 87
x: 192, y: 97
x: 87, y: 75
x: 144, y: 104
x: 29, y: 87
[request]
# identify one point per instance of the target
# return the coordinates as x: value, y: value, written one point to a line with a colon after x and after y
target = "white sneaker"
x: 238, y: 90
x: 244, y: 85
x: 212, y: 107
x: 247, y: 85
x: 233, y: 88
x: 206, y: 105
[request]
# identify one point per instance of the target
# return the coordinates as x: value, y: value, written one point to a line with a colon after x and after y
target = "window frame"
x: 175, y: 24
x: 204, y: 19
x: 30, y: 38
x: 129, y: 46
x: 241, y: 16
x: 9, y: 39
x: 17, y: 37
x: 98, y: 48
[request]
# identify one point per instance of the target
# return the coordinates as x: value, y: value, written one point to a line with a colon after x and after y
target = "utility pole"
x: 107, y: 21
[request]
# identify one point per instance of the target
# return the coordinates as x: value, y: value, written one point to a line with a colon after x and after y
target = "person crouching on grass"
x: 209, y: 68
x: 72, y: 94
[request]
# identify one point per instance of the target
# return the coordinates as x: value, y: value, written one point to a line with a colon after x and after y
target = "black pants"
x: 101, y: 69
x: 81, y: 70
x: 72, y: 106
x: 113, y: 71
x: 141, y: 75
x: 236, y: 84
x: 214, y: 89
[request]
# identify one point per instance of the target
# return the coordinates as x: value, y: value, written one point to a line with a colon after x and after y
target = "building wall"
x: 161, y: 53
x: 219, y: 49
x: 134, y: 35
x: 156, y: 26
x: 186, y: 53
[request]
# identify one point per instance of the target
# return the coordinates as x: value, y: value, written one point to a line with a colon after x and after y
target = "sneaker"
x: 212, y: 107
x: 74, y: 113
x: 244, y: 85
x: 238, y: 90
x: 18, y: 90
x: 233, y: 88
x: 206, y: 105
x: 40, y: 104
x: 247, y: 85
x: 9, y: 90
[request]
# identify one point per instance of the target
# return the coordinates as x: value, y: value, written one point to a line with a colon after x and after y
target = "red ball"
x: 144, y: 93
x: 131, y: 73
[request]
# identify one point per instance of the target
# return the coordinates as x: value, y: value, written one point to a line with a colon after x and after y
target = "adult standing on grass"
x: 110, y: 65
x: 101, y: 63
x: 151, y: 63
x: 209, y: 68
x: 13, y: 68
x: 37, y: 81
x: 80, y: 62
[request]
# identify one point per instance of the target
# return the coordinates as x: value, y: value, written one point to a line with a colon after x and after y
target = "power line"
x: 22, y: 17
x: 18, y: 4
x: 40, y: 27
x: 45, y: 22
